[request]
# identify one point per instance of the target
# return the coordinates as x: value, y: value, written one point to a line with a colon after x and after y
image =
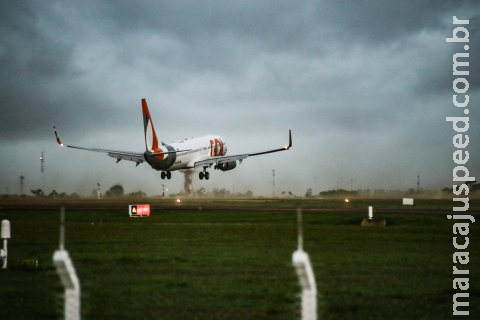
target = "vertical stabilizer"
x: 151, y: 141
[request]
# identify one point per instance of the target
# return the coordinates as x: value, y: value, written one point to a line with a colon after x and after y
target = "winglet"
x: 57, y: 137
x: 289, y: 140
x: 276, y: 150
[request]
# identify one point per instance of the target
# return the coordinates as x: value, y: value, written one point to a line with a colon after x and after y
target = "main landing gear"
x: 167, y: 175
x: 204, y: 174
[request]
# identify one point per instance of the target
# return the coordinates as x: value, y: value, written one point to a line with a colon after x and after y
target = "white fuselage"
x: 196, y: 149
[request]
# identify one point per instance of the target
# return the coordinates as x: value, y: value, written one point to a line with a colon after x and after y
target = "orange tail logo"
x: 151, y: 141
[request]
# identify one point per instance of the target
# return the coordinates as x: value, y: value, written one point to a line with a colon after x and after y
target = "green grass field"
x: 228, y: 264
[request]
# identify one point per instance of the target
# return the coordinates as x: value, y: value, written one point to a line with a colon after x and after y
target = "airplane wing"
x: 240, y: 157
x: 119, y: 155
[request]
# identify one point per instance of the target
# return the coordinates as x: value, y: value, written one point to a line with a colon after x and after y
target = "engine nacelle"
x: 225, y: 166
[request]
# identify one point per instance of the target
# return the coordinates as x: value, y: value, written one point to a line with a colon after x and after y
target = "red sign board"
x: 139, y: 210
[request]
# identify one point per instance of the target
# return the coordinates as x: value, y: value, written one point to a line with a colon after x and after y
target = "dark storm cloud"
x: 39, y: 41
x: 307, y: 29
x: 281, y: 24
x: 382, y: 21
x: 28, y: 51
x: 385, y: 23
x: 37, y: 79
x: 269, y: 22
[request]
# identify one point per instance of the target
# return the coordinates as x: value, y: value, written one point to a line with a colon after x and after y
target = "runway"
x: 381, y: 206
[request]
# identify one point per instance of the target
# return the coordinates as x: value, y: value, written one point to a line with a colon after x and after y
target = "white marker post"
x: 370, y: 222
x: 67, y: 274
x: 5, y: 235
x: 303, y: 268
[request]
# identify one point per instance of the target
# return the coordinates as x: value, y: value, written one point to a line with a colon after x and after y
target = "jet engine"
x: 225, y: 166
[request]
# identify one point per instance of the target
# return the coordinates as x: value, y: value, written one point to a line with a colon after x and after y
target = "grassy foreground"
x: 235, y: 265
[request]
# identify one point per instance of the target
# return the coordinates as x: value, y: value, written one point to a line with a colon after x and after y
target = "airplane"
x: 204, y: 152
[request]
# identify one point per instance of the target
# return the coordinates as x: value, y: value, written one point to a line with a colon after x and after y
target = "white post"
x: 68, y: 276
x: 303, y: 267
x: 4, y: 254
x: 370, y: 212
x: 5, y: 235
x: 306, y: 277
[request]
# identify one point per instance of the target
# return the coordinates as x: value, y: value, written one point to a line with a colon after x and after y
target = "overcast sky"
x: 365, y: 87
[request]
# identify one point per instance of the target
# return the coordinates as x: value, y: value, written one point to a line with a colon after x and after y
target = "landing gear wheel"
x: 169, y: 175
x: 200, y: 175
x: 163, y: 175
x: 207, y: 175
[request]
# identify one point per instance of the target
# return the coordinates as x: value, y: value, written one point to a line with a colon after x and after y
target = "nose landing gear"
x: 167, y: 175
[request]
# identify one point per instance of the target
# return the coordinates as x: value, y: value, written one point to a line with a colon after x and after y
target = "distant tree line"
x: 473, y: 187
x: 217, y: 193
x: 117, y: 191
x: 332, y: 193
x: 114, y: 192
x: 54, y: 194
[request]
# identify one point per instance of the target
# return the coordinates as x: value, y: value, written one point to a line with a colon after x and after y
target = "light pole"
x: 273, y: 175
x: 42, y: 170
x: 22, y: 178
x: 99, y: 191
